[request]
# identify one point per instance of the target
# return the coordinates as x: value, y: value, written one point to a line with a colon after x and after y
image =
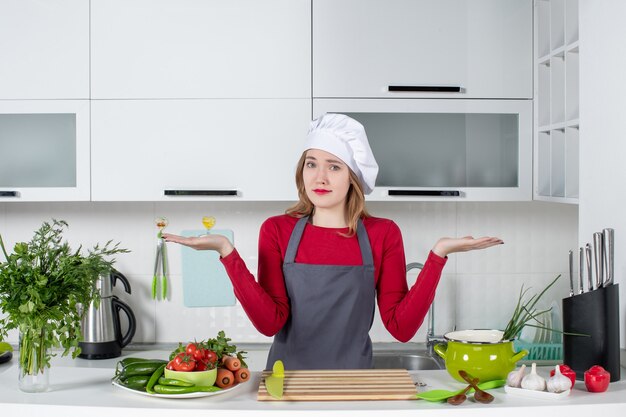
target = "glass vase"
x: 33, y: 362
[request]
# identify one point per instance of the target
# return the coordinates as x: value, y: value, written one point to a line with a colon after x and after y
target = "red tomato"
x: 170, y: 365
x: 191, y: 349
x: 597, y: 379
x: 568, y: 372
x: 201, y: 366
x: 200, y: 354
x: 185, y: 364
x: 179, y: 358
x: 211, y: 356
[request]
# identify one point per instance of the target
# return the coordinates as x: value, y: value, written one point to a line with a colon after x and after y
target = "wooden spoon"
x: 461, y: 397
x: 480, y: 395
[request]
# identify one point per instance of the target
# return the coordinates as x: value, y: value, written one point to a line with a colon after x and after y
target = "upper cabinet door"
x: 483, y: 48
x: 201, y: 49
x: 44, y: 49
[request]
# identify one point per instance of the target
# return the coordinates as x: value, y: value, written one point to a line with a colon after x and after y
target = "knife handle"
x: 581, y: 269
x: 609, y: 253
x: 589, y: 267
x: 598, y: 247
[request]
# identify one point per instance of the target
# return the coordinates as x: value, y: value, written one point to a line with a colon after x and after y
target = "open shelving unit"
x: 556, y: 106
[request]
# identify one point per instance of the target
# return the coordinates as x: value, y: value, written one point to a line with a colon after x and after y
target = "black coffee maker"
x: 102, y: 334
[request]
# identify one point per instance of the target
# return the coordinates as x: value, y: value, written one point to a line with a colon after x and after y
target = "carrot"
x: 225, y: 378
x: 242, y: 375
x: 231, y: 363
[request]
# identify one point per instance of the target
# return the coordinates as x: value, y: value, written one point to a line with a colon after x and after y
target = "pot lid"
x: 476, y: 336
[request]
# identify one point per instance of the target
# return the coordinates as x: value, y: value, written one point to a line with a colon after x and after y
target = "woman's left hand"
x: 448, y: 245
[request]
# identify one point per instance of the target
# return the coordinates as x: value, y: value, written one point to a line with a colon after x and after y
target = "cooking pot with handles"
x: 481, y: 353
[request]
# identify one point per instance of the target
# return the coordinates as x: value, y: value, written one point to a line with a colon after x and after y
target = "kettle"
x: 102, y: 334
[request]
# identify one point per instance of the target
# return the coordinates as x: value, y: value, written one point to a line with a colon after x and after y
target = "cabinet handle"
x: 9, y: 194
x: 425, y: 88
x: 436, y: 193
x: 205, y: 193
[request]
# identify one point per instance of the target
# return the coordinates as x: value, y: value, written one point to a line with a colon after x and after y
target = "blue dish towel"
x: 205, y: 282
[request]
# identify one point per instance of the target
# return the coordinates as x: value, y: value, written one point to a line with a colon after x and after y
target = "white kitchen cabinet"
x: 557, y: 101
x: 44, y: 150
x: 445, y: 150
x: 44, y: 49
x: 361, y: 48
x: 207, y: 150
x: 200, y: 49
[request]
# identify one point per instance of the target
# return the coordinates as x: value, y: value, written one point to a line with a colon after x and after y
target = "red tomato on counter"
x: 597, y: 379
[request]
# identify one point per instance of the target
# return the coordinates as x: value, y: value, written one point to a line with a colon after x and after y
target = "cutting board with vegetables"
x: 343, y: 385
x: 205, y: 282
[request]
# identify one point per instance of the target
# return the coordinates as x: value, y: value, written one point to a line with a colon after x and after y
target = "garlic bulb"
x: 533, y: 380
x: 514, y: 379
x: 559, y: 382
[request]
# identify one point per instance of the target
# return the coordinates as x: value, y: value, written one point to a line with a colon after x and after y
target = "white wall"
x: 478, y: 289
x: 602, y: 139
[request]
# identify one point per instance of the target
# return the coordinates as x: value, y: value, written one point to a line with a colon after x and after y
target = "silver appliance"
x: 102, y: 333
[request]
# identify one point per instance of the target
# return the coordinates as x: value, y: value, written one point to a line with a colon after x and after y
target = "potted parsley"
x: 43, y: 283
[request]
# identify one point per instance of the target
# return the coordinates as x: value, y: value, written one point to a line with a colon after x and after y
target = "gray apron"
x: 332, y: 309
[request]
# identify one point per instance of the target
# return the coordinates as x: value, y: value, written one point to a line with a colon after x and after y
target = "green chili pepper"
x: 137, y: 382
x: 174, y: 382
x: 154, y: 378
x: 169, y: 389
x: 141, y: 368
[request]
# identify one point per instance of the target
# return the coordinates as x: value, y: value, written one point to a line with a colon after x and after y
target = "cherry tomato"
x: 201, y: 366
x: 170, y: 365
x: 597, y: 379
x: 191, y: 349
x: 568, y: 372
x: 185, y: 364
x: 200, y: 354
x: 211, y: 356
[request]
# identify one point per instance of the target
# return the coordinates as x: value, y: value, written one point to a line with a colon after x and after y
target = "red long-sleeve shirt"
x: 267, y: 304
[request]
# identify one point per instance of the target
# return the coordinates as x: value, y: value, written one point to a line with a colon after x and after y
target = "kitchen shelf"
x: 556, y: 101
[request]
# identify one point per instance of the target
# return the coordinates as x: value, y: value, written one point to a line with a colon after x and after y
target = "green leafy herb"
x: 43, y: 283
x: 525, y: 312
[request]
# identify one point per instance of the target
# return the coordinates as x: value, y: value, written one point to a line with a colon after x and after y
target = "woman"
x: 324, y: 262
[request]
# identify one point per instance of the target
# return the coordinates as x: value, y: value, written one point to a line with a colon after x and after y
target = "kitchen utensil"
x: 483, y: 353
x: 461, y: 397
x: 581, y: 269
x: 571, y: 273
x: 274, y: 383
x: 598, y: 247
x: 101, y: 328
x: 609, y: 249
x: 159, y: 279
x: 205, y: 281
x: 589, y: 267
x: 479, y: 395
x: 438, y: 395
x: 343, y: 385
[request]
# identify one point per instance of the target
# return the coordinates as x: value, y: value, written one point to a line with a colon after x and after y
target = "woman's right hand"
x: 218, y: 243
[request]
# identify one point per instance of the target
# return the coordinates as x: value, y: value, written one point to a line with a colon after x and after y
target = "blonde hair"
x: 355, y: 200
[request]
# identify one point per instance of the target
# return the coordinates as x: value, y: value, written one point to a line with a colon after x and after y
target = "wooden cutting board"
x: 343, y: 385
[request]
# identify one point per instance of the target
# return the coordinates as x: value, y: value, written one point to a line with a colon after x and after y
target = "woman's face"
x: 326, y: 179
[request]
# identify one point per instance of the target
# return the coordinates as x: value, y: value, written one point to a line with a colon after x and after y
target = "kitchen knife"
x: 274, y: 382
x: 571, y: 273
x: 609, y: 249
x: 598, y: 247
x: 589, y: 267
x: 581, y: 269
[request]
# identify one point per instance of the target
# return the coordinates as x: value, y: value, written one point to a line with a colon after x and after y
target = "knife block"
x: 594, y: 313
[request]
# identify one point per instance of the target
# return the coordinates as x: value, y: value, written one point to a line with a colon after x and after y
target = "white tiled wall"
x: 477, y: 290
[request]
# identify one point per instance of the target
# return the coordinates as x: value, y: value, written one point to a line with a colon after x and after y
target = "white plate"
x: 177, y: 396
x: 529, y: 393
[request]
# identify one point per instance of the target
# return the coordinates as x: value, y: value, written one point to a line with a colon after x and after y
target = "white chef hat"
x: 345, y: 138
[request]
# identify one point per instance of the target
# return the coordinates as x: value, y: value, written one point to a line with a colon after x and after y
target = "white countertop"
x: 84, y: 387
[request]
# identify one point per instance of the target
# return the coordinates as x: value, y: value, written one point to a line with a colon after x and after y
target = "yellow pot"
x: 481, y: 353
